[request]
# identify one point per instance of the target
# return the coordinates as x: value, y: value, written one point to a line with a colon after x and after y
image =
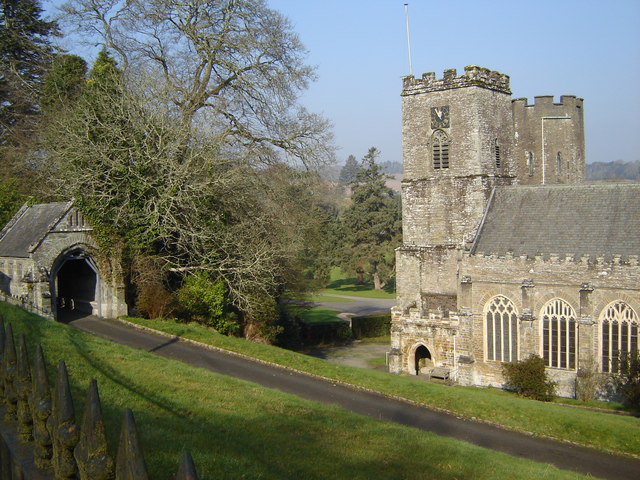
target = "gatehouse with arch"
x: 50, y: 264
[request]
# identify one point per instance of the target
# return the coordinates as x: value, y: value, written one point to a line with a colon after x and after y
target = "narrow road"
x: 373, y: 405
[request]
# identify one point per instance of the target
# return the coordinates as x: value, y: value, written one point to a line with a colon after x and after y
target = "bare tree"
x: 233, y: 68
x: 200, y: 199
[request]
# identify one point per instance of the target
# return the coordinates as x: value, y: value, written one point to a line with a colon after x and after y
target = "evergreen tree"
x: 25, y: 51
x: 371, y: 225
x: 349, y: 171
x: 64, y: 81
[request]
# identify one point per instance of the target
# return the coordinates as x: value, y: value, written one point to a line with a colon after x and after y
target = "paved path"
x: 562, y: 455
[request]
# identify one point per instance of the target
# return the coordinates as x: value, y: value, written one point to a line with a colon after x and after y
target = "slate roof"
x: 28, y: 227
x: 592, y: 219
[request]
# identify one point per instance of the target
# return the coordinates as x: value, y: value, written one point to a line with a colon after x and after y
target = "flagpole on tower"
x: 406, y: 16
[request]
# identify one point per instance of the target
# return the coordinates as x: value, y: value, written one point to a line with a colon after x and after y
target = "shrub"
x: 371, y: 325
x: 588, y: 381
x: 154, y: 301
x: 262, y: 325
x: 203, y: 300
x: 628, y: 380
x: 529, y: 378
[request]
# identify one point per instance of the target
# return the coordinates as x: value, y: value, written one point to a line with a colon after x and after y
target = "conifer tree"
x: 64, y: 81
x: 350, y: 169
x: 371, y: 224
x: 25, y: 52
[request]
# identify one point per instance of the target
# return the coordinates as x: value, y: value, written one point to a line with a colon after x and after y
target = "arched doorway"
x: 76, y: 287
x: 423, y: 363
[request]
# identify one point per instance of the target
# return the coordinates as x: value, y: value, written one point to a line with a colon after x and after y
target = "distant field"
x: 237, y: 429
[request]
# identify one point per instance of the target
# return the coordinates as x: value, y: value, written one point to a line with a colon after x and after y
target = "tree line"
x: 185, y: 145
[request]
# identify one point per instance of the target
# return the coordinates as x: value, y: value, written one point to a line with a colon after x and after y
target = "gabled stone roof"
x: 28, y: 227
x: 587, y: 219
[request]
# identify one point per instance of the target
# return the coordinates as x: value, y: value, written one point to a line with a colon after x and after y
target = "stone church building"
x: 507, y: 252
x: 50, y: 264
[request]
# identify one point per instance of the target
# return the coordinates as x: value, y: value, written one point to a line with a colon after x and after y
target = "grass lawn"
x: 605, y: 431
x: 340, y: 285
x: 236, y: 429
x: 317, y: 315
x: 326, y: 298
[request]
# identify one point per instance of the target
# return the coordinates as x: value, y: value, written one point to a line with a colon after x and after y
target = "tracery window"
x: 501, y: 318
x: 440, y: 150
x: 559, y: 334
x: 619, y: 334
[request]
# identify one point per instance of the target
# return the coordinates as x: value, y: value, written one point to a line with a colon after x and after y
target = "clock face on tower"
x: 440, y: 117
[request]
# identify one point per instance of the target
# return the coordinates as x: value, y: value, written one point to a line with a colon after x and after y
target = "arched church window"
x: 530, y: 163
x: 496, y: 151
x: 501, y: 318
x: 440, y: 150
x: 559, y: 334
x: 619, y: 334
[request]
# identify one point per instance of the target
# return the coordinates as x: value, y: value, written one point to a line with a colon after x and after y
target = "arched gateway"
x: 49, y: 263
x: 422, y: 361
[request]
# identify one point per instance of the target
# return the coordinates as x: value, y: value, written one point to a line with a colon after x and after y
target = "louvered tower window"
x: 440, y: 150
x: 501, y: 319
x: 559, y: 334
x: 496, y: 150
x: 619, y: 334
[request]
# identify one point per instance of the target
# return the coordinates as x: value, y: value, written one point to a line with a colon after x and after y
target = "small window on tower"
x: 558, y: 163
x: 496, y: 149
x: 530, y: 163
x: 440, y: 150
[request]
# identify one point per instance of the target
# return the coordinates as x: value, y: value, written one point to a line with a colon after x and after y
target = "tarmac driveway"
x: 565, y: 456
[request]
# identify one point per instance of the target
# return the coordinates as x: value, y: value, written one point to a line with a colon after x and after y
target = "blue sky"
x: 562, y: 47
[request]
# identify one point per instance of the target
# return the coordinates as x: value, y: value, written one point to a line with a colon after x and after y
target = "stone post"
x: 23, y: 391
x: 63, y: 428
x: 187, y: 469
x: 92, y: 453
x: 41, y: 411
x: 130, y: 464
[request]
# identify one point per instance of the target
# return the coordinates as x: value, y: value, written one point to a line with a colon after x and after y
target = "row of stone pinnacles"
x: 46, y: 424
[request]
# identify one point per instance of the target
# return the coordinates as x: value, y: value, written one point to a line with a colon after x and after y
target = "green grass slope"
x: 604, y: 431
x: 236, y: 429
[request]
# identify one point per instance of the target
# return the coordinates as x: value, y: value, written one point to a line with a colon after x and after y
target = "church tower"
x: 457, y: 137
x: 457, y: 145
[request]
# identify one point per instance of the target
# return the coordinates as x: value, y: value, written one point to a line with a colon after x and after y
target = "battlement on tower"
x: 473, y: 76
x: 546, y: 103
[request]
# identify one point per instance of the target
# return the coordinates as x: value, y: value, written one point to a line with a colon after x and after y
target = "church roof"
x: 28, y: 227
x: 587, y: 219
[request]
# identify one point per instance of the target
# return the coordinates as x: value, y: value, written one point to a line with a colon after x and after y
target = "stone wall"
x: 588, y: 286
